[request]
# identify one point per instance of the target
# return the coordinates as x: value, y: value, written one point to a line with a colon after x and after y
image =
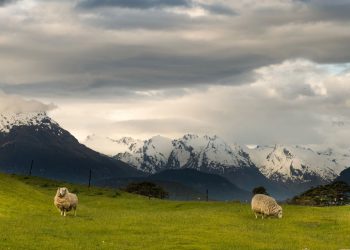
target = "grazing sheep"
x: 65, y: 201
x: 266, y: 206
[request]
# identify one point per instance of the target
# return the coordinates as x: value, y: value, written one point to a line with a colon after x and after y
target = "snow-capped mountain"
x: 210, y: 153
x: 207, y: 153
x: 298, y: 164
x: 56, y: 153
x: 340, y: 157
x: 35, y: 119
x: 282, y: 164
x: 149, y: 156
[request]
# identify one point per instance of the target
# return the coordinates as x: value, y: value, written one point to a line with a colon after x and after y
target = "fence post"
x: 90, y: 178
x: 207, y: 195
x: 31, y: 167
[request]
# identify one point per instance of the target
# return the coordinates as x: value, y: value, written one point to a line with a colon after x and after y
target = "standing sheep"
x: 65, y: 201
x: 266, y: 206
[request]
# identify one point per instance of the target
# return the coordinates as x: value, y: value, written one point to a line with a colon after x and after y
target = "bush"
x: 115, y: 194
x: 45, y: 185
x: 148, y: 189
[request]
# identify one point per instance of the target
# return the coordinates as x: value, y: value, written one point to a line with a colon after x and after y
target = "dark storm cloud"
x: 216, y: 9
x: 329, y: 10
x: 171, y: 70
x: 128, y: 20
x: 133, y: 4
x: 140, y: 47
x: 3, y: 2
x: 205, y: 61
x: 143, y: 72
x: 219, y: 9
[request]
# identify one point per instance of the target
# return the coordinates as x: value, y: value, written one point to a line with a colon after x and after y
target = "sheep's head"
x: 62, y: 191
x: 279, y: 214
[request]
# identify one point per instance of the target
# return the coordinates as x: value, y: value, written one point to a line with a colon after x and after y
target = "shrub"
x: 148, y: 189
x: 44, y: 185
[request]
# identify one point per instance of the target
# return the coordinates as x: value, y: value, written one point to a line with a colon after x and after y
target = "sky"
x: 252, y: 72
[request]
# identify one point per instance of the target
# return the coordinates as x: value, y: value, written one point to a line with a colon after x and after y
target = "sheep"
x: 265, y: 206
x: 65, y: 201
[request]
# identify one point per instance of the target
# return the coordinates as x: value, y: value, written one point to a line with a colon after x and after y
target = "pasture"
x: 110, y: 219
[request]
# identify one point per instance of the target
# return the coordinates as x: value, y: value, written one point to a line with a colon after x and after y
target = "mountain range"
x: 285, y: 170
x: 206, y: 154
x: 33, y: 142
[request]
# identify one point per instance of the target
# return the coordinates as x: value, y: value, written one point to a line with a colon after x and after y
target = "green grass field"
x: 114, y: 220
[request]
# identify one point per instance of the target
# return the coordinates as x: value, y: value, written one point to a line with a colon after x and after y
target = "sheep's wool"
x: 67, y: 202
x: 265, y: 205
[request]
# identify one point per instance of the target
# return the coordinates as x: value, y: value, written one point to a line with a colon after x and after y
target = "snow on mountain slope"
x: 10, y: 120
x: 149, y: 155
x: 340, y: 157
x: 190, y: 151
x: 155, y: 154
x: 296, y: 163
x: 57, y: 154
x: 158, y: 147
x: 206, y: 152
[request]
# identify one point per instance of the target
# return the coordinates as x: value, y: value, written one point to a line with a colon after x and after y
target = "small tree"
x: 148, y: 189
x: 259, y: 190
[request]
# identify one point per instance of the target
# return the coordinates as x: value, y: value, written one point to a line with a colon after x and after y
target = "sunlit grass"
x: 110, y: 219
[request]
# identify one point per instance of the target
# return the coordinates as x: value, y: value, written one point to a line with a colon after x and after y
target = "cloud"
x: 223, y: 66
x: 3, y: 2
x: 336, y: 10
x: 293, y: 79
x: 125, y: 50
x: 162, y: 126
x: 268, y: 110
x: 133, y: 4
x: 213, y: 8
x: 17, y: 104
x: 219, y: 9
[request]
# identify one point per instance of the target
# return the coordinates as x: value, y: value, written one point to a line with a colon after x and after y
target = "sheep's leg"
x: 256, y: 215
x: 64, y: 213
x: 262, y: 216
x: 75, y: 211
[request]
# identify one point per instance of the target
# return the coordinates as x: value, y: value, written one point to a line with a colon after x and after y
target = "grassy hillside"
x: 112, y: 220
x: 336, y: 193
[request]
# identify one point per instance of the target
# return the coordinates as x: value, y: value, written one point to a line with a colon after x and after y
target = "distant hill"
x: 176, y: 190
x: 188, y: 184
x: 337, y: 193
x: 218, y: 187
x: 345, y: 176
x: 179, y: 191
